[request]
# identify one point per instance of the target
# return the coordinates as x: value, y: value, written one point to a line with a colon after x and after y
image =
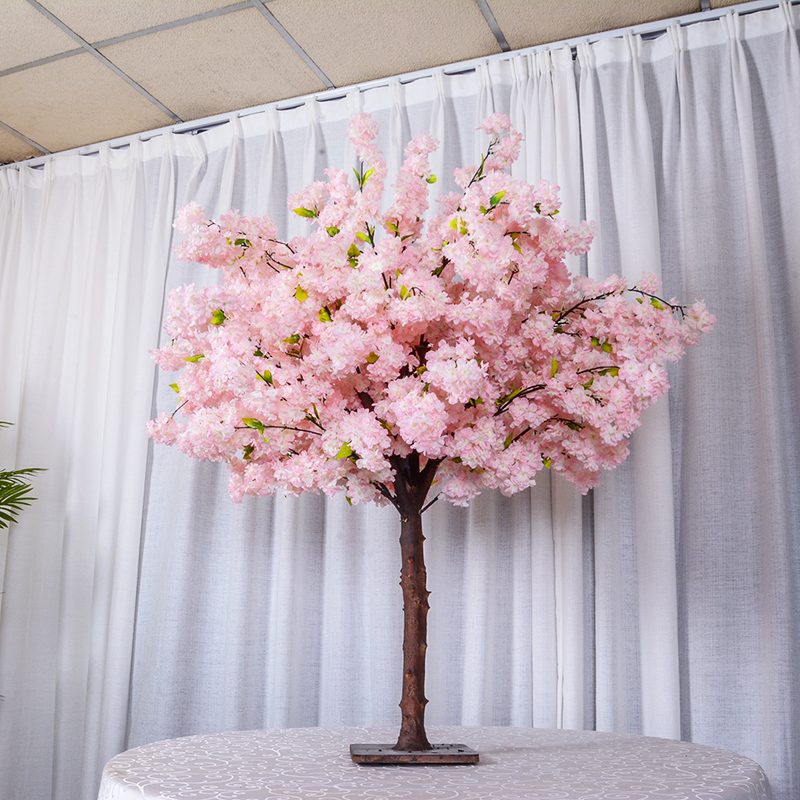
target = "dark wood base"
x: 386, y: 754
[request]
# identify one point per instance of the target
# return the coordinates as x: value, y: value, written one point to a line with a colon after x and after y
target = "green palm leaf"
x: 15, y: 491
x: 15, y: 494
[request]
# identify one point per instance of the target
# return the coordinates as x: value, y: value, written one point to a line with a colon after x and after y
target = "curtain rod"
x: 648, y: 30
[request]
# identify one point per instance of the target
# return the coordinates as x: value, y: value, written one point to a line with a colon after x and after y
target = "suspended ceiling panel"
x: 353, y: 42
x: 228, y: 62
x: 26, y: 37
x: 97, y: 20
x: 64, y: 104
x: 530, y: 22
x: 75, y: 72
x: 13, y: 148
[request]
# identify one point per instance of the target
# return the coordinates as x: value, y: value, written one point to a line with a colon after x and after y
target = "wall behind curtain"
x: 139, y: 603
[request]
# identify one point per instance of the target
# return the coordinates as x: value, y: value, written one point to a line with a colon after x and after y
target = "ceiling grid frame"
x: 25, y: 138
x: 290, y: 40
x: 492, y: 23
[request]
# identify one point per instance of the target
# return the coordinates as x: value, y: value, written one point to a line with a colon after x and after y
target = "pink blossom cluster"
x: 317, y: 361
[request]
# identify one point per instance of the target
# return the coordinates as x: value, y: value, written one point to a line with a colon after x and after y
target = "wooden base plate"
x: 386, y: 754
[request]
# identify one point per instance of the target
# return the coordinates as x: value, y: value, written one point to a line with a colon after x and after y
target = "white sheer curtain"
x: 138, y: 603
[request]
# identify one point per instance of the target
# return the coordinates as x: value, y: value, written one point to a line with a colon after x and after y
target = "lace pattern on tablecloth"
x: 314, y: 764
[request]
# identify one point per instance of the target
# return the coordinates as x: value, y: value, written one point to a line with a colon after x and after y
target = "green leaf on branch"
x: 606, y: 347
x: 218, y: 317
x: 509, y: 397
x: 257, y: 352
x: 639, y: 300
x: 324, y: 314
x: 553, y: 367
x: 175, y: 388
x: 345, y: 452
x: 353, y: 251
x: 362, y: 179
x: 575, y: 426
x: 454, y: 224
x: 654, y: 301
x: 265, y: 376
x: 613, y: 371
x: 404, y: 292
x: 301, y: 294
x: 588, y: 383
x: 243, y: 243
x: 372, y: 358
x: 194, y: 359
x: 332, y: 231
x: 255, y: 424
x: 364, y: 237
x: 248, y: 451
x: 595, y: 341
x: 293, y: 339
x: 508, y: 440
x: 496, y: 198
x: 305, y: 212
x: 393, y: 228
x: 548, y: 462
x: 431, y: 179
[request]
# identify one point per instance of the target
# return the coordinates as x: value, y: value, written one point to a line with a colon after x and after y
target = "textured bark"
x: 411, y: 488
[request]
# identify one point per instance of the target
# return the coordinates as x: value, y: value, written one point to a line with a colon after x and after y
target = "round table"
x: 529, y: 763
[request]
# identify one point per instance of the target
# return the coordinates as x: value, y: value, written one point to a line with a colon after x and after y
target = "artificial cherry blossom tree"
x: 379, y: 356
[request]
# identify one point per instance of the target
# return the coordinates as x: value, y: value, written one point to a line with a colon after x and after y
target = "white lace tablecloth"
x: 515, y: 763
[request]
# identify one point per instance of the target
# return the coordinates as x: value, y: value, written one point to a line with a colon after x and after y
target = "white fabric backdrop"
x: 666, y: 603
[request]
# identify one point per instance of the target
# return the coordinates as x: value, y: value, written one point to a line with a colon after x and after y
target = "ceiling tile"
x: 12, y: 148
x: 72, y: 102
x: 215, y: 65
x: 97, y: 20
x: 29, y: 35
x: 530, y: 22
x: 355, y: 42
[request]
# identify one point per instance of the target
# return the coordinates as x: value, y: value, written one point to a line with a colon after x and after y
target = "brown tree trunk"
x: 411, y: 489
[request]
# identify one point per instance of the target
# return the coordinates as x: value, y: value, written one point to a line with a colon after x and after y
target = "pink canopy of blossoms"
x: 466, y: 340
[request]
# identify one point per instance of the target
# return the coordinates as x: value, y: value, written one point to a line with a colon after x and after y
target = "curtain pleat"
x: 83, y: 384
x: 138, y: 603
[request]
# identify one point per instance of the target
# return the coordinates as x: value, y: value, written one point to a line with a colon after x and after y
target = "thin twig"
x: 428, y: 505
x: 387, y: 494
